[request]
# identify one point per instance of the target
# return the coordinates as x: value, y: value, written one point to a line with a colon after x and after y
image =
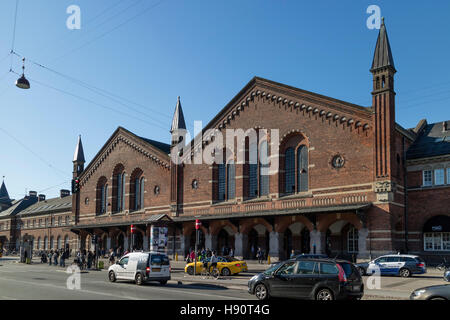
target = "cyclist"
x: 213, y: 261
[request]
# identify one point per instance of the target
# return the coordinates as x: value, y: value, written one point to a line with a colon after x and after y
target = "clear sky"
x: 151, y: 51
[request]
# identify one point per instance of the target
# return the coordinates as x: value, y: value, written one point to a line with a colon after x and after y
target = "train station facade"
x: 341, y: 179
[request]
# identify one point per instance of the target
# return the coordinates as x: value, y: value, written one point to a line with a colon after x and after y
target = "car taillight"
x: 147, y: 269
x: 237, y: 265
x: 420, y: 265
x: 341, y: 275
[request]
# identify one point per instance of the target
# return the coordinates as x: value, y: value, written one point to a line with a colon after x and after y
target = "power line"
x: 14, y: 30
x: 109, y: 31
x: 95, y: 103
x: 31, y: 151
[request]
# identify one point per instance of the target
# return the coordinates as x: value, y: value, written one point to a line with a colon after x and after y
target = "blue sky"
x: 149, y: 52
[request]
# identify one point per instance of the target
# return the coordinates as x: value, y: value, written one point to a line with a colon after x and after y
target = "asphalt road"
x: 40, y: 281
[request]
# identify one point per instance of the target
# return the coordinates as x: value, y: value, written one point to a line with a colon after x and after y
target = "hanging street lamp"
x: 22, y: 82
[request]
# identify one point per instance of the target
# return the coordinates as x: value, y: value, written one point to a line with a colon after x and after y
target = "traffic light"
x: 75, y: 185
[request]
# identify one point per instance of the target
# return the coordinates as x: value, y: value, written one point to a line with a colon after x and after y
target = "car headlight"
x: 419, y: 292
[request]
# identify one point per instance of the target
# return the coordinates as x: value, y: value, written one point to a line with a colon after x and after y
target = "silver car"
x: 440, y: 292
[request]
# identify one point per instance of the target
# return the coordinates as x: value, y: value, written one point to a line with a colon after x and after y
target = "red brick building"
x: 349, y: 180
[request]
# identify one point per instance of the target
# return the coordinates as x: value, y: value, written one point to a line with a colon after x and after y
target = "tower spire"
x: 79, y: 153
x: 382, y: 57
x: 178, y: 118
x: 4, y: 196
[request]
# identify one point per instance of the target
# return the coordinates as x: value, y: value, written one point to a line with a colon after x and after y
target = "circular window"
x: 195, y: 184
x: 156, y: 190
x: 86, y: 201
x: 337, y: 161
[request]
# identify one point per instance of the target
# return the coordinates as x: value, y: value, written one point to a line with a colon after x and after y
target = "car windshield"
x: 271, y: 269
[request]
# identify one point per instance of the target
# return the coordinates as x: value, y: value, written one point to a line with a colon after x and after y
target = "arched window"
x: 66, y: 241
x: 263, y: 169
x: 102, y: 196
x: 302, y: 169
x: 141, y: 193
x: 58, y: 243
x: 118, y: 189
x: 51, y: 242
x: 39, y: 243
x: 221, y: 182
x: 253, y: 171
x: 289, y: 167
x: 136, y: 189
x: 45, y: 243
x: 352, y: 240
x: 231, y: 182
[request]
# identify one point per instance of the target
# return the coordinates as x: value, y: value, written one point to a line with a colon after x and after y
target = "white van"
x: 141, y: 267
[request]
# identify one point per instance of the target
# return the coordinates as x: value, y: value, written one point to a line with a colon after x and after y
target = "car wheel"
x: 138, y: 279
x: 163, y: 282
x: 190, y: 271
x: 361, y: 271
x: 226, y: 272
x: 405, y: 273
x: 112, y: 276
x: 324, y: 294
x: 261, y: 292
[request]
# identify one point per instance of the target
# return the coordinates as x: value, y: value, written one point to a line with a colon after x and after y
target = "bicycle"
x: 206, y: 273
x: 443, y: 266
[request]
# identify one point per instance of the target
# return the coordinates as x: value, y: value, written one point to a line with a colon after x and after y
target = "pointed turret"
x: 4, y: 196
x: 178, y: 118
x: 382, y: 57
x: 79, y: 153
x: 78, y: 159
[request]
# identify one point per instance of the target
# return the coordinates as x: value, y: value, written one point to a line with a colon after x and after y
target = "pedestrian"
x: 50, y: 255
x: 55, y: 257
x: 89, y: 259
x: 292, y: 254
x: 259, y: 255
x: 192, y: 255
x: 231, y: 252
x: 111, y: 257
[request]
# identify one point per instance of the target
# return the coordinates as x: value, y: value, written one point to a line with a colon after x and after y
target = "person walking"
x: 50, y: 255
x: 259, y: 255
x: 111, y: 257
x: 62, y: 260
x: 232, y: 252
x: 89, y: 259
x: 55, y: 257
x: 292, y: 254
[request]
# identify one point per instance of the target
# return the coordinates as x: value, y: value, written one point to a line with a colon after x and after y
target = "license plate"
x: 156, y: 269
x: 356, y: 288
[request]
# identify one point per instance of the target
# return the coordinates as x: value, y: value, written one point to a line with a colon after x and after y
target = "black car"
x: 316, y: 279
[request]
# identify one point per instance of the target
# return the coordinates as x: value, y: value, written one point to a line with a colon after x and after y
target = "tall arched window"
x: 263, y: 169
x: 45, y: 243
x: 302, y: 169
x: 102, y: 196
x: 118, y: 189
x: 141, y: 193
x: 253, y: 171
x: 66, y: 241
x: 58, y: 243
x: 231, y: 181
x: 352, y: 240
x: 39, y: 243
x: 51, y: 242
x: 136, y: 189
x: 221, y: 182
x: 289, y: 167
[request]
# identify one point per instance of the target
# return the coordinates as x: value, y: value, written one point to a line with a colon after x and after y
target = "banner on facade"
x: 158, y: 240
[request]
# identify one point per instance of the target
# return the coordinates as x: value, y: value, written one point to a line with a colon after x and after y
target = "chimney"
x: 64, y: 193
x: 41, y: 197
x: 32, y: 194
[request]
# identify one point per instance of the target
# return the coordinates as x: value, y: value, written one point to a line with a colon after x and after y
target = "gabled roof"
x: 432, y: 141
x: 18, y: 206
x: 48, y: 206
x: 79, y: 153
x: 383, y: 55
x: 178, y: 118
x: 4, y: 196
x: 160, y: 150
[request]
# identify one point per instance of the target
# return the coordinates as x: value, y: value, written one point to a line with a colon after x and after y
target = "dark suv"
x: 316, y: 279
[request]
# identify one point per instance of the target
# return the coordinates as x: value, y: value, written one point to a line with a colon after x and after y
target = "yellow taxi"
x: 227, y: 266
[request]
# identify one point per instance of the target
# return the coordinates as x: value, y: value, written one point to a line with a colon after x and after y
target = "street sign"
x: 133, y: 228
x: 197, y: 224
